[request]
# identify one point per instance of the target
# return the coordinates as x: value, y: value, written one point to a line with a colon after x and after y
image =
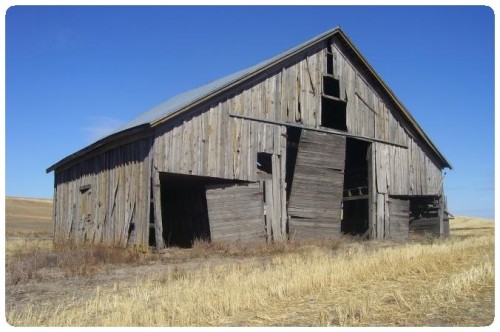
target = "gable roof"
x: 186, y: 100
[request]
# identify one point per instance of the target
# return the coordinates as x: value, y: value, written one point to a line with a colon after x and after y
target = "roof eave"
x: 98, y: 144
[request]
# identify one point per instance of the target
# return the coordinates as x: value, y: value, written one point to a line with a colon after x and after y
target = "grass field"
x: 422, y: 282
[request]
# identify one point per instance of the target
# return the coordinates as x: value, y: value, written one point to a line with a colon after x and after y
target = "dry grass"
x: 206, y: 249
x: 28, y: 217
x: 444, y: 283
x: 26, y: 262
x: 424, y: 282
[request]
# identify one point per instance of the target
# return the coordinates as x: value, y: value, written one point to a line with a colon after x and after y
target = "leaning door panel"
x: 235, y: 213
x: 317, y: 186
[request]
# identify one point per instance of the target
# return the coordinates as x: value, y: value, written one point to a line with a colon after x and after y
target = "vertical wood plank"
x: 269, y: 207
x: 380, y: 216
x: 276, y: 192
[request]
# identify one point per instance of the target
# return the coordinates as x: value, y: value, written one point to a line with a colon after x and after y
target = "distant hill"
x: 25, y: 215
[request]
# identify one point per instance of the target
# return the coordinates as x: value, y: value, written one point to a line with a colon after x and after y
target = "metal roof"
x: 188, y: 99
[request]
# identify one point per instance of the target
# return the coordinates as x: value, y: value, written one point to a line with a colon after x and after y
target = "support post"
x: 160, y: 243
x: 372, y: 193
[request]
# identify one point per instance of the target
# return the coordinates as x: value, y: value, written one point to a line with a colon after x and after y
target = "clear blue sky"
x: 76, y: 73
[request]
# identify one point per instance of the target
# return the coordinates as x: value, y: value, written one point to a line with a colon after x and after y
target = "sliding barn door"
x: 235, y: 213
x: 317, y: 186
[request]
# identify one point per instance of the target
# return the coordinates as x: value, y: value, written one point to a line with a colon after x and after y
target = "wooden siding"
x: 213, y: 144
x: 403, y: 171
x: 99, y: 199
x: 317, y: 186
x: 236, y: 213
x: 216, y: 145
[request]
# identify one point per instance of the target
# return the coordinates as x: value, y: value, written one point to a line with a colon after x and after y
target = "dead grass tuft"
x: 85, y: 259
x: 204, y: 249
x: 26, y: 263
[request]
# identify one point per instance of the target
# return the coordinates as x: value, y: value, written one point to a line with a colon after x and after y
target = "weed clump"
x: 74, y: 260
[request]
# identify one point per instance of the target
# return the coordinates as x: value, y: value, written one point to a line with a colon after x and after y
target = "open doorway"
x: 355, y: 216
x: 184, y: 208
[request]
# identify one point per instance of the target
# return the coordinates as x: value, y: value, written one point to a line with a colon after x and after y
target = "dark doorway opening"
x: 292, y: 147
x: 355, y: 216
x: 184, y: 208
x: 424, y: 215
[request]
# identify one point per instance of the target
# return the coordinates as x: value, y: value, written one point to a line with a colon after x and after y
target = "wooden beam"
x: 332, y: 98
x: 364, y: 102
x: 353, y: 198
x: 310, y: 77
x: 321, y: 130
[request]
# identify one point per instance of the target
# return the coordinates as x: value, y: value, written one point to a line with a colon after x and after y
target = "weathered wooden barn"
x: 310, y: 143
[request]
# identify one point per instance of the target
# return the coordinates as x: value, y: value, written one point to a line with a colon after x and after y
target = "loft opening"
x: 333, y: 109
x: 331, y: 86
x: 329, y: 58
x: 355, y: 216
x: 333, y: 113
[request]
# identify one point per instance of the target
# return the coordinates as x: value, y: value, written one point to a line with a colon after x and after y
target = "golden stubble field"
x: 422, y: 282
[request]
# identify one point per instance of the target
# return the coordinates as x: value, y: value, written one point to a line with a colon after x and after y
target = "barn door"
x: 399, y: 218
x: 317, y: 186
x: 235, y: 212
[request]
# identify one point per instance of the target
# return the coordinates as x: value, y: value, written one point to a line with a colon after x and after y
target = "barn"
x: 310, y: 143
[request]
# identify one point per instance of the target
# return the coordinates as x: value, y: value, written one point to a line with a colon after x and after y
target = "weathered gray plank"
x: 232, y: 221
x: 399, y: 216
x: 317, y: 185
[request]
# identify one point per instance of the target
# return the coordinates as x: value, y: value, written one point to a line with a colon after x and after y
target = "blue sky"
x: 74, y: 74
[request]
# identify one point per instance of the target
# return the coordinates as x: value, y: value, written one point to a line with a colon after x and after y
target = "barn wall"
x: 105, y: 199
x: 396, y: 171
x: 404, y: 171
x: 214, y: 144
